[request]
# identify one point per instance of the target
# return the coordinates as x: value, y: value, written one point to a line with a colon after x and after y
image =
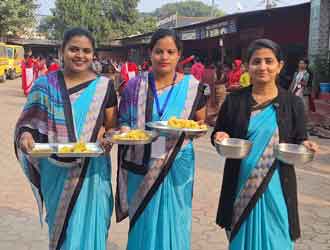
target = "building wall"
x: 319, y: 27
x: 116, y: 54
x: 288, y: 27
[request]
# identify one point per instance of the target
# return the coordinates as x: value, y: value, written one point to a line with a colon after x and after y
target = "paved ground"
x: 19, y: 223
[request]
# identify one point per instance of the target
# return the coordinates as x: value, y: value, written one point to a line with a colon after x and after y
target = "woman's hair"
x: 305, y: 60
x: 162, y: 33
x: 264, y: 44
x: 69, y: 34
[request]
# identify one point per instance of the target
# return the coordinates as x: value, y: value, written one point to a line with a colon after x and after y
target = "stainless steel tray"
x: 43, y: 150
x: 94, y: 150
x: 163, y: 128
x: 152, y: 137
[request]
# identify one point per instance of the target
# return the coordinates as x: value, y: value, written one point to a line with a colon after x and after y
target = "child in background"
x: 245, y: 77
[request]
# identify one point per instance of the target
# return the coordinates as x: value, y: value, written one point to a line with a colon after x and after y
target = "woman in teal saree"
x: 258, y: 203
x: 155, y: 182
x: 69, y: 106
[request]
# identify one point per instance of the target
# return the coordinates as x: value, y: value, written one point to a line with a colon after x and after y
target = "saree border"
x: 254, y: 200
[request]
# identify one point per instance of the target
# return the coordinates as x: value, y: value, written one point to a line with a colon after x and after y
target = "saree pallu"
x: 77, y: 194
x: 159, y: 200
x: 260, y: 219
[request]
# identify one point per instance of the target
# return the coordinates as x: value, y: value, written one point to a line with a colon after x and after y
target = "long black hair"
x: 162, y: 33
x: 265, y: 44
x: 69, y: 34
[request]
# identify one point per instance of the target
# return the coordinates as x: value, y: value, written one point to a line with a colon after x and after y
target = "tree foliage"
x: 106, y: 19
x: 187, y: 8
x: 16, y: 16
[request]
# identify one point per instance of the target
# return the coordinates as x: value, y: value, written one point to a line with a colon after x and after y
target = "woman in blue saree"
x: 258, y: 203
x: 70, y: 106
x: 155, y: 182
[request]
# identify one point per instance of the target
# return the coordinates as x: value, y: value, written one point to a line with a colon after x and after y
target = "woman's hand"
x: 26, y: 142
x: 199, y: 122
x: 103, y: 140
x: 313, y: 146
x: 220, y: 136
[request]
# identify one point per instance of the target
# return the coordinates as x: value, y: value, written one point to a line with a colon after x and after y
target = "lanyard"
x: 160, y: 111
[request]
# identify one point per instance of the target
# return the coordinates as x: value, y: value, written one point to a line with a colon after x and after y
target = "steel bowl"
x: 293, y: 153
x: 233, y: 148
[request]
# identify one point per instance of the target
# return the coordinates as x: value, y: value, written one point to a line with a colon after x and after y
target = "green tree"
x: 15, y: 15
x: 71, y: 13
x: 187, y: 8
x: 145, y: 24
x: 107, y: 19
x: 47, y: 27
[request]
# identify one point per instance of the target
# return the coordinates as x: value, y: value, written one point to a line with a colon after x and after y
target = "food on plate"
x: 41, y: 150
x: 79, y: 147
x: 135, y: 134
x: 174, y: 122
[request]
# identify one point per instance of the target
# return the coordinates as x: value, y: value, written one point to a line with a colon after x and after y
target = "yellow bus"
x: 15, y: 57
x: 3, y: 62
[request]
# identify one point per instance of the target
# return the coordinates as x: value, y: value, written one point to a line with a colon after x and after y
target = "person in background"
x: 222, y: 73
x: 128, y: 71
x: 73, y: 105
x: 309, y: 94
x: 42, y: 67
x: 36, y: 60
x: 234, y: 76
x: 146, y: 66
x: 220, y: 84
x: 258, y: 204
x: 27, y: 73
x: 197, y: 70
x: 54, y: 65
x: 300, y: 79
x: 96, y: 66
x: 182, y: 64
x: 208, y: 78
x: 244, y: 80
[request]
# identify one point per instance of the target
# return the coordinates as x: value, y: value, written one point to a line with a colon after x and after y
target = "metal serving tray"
x: 163, y: 128
x: 152, y: 137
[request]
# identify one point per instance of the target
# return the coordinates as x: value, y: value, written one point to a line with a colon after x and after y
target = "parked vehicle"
x: 15, y: 57
x: 3, y: 62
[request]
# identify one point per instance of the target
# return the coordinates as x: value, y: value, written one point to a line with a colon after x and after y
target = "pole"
x: 269, y: 4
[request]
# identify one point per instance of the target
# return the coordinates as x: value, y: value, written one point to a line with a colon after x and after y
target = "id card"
x: 158, y: 148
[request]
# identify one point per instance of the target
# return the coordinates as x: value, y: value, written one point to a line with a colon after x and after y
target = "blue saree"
x: 164, y: 223
x: 77, y: 194
x: 266, y: 227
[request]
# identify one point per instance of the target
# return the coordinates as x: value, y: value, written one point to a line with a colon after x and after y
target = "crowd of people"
x: 258, y: 205
x: 35, y: 66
